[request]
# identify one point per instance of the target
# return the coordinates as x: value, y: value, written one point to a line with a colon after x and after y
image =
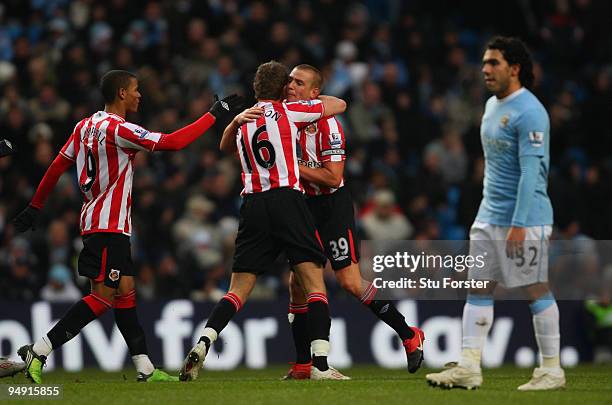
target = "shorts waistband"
x: 270, y: 193
x: 325, y: 196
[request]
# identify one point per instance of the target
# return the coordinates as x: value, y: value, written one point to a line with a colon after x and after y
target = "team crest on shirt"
x: 312, y: 129
x: 114, y: 275
x: 335, y: 140
x: 504, y: 121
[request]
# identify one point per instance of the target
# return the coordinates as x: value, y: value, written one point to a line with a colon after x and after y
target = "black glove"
x: 227, y: 107
x: 26, y: 218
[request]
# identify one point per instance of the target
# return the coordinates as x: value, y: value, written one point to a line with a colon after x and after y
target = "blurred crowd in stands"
x: 409, y: 70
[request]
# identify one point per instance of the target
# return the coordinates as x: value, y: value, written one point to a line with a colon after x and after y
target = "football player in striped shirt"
x: 103, y: 148
x: 515, y: 208
x: 274, y: 217
x: 321, y: 155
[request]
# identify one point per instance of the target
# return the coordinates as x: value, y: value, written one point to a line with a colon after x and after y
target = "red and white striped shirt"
x: 321, y: 141
x: 103, y: 147
x: 267, y: 146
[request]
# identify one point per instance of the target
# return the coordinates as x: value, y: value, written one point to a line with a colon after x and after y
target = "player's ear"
x: 315, y: 93
x: 515, y: 69
x: 121, y: 93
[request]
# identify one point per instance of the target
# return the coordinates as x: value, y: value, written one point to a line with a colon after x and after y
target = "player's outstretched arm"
x: 183, y: 137
x: 228, y: 140
x: 332, y: 105
x: 26, y: 218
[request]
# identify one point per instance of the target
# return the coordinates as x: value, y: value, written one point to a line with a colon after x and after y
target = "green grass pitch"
x: 370, y: 385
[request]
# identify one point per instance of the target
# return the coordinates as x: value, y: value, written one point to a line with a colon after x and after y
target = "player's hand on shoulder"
x: 227, y: 107
x: 26, y: 219
x: 249, y: 115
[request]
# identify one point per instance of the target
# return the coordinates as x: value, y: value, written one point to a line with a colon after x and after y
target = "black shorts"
x: 335, y: 219
x: 106, y: 257
x: 272, y: 222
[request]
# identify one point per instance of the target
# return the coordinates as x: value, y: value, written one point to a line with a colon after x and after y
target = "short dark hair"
x: 318, y: 76
x: 270, y: 81
x: 112, y: 81
x: 516, y: 53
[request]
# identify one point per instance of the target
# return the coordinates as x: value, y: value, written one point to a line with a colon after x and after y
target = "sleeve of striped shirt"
x: 304, y: 112
x: 68, y: 149
x: 132, y: 136
x: 333, y: 143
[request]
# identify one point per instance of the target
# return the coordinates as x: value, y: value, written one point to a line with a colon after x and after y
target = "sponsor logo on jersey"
x: 114, y: 275
x: 536, y: 139
x: 310, y: 163
x: 335, y: 140
x: 306, y: 102
x: 496, y: 145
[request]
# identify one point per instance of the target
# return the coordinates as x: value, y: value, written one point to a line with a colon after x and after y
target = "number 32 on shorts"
x: 526, y: 256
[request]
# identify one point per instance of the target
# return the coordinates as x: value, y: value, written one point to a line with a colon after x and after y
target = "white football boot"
x: 193, y: 362
x: 544, y: 379
x: 330, y: 374
x: 456, y: 376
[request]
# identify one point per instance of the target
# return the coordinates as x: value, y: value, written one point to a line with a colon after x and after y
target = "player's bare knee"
x: 537, y: 290
x: 311, y: 277
x: 103, y: 291
x: 126, y: 284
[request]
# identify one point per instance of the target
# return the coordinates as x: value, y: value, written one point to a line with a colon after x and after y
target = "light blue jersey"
x: 515, y: 136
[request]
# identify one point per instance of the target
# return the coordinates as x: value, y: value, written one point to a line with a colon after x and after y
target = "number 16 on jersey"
x: 262, y: 150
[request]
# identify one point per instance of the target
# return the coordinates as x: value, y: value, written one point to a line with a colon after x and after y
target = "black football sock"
x: 129, y: 326
x: 298, y: 315
x: 126, y: 319
x: 319, y: 324
x: 80, y: 314
x: 320, y: 362
x: 223, y: 312
x: 386, y: 311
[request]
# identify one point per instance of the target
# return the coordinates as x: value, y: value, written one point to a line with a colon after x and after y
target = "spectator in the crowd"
x: 367, y: 113
x: 60, y: 287
x: 200, y: 247
x: 385, y: 220
x: 59, y: 243
x: 450, y: 154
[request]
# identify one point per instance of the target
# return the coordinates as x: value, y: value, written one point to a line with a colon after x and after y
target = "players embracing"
x: 321, y: 155
x: 274, y: 217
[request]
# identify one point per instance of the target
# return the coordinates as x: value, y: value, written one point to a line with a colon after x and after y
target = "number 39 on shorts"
x: 339, y: 248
